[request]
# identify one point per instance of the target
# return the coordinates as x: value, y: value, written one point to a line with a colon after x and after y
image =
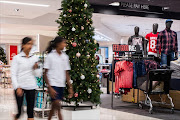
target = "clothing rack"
x: 136, y: 57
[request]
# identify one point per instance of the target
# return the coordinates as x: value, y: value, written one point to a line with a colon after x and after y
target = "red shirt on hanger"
x: 124, y: 75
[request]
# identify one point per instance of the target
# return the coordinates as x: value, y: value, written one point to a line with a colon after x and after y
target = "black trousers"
x: 30, y: 98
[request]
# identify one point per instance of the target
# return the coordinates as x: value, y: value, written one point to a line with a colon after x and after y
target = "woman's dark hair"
x: 25, y: 41
x: 53, y: 43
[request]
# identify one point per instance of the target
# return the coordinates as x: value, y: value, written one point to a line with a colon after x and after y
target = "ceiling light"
x: 165, y: 8
x: 115, y: 4
x: 21, y: 3
x: 16, y: 10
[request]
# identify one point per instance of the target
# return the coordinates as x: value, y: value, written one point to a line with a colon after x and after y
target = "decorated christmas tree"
x: 3, y: 56
x: 75, y: 25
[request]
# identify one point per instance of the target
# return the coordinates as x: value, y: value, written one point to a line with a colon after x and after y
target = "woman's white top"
x: 22, y: 73
x: 57, y: 66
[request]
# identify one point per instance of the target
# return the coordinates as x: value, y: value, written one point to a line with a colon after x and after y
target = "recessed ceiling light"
x: 131, y: 25
x: 21, y: 3
x: 115, y: 4
x: 16, y: 10
x: 165, y: 8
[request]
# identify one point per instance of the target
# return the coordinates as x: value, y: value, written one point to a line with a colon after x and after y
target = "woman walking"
x: 23, y: 79
x: 56, y: 74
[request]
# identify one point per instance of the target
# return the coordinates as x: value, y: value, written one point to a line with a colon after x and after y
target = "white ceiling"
x: 28, y: 12
x: 31, y: 20
x: 124, y: 25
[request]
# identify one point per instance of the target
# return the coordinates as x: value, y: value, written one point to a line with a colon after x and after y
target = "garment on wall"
x: 123, y: 75
x: 152, y: 38
x: 137, y: 40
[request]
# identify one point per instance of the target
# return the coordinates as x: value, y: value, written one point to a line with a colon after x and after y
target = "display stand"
x: 81, y: 114
x: 77, y: 106
x: 137, y: 57
x: 158, y: 75
x: 42, y: 112
x: 5, y: 76
x: 100, y: 68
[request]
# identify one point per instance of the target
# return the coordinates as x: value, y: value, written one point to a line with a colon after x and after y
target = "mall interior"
x: 132, y: 38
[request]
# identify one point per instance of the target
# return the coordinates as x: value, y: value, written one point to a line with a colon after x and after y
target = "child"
x: 56, y: 74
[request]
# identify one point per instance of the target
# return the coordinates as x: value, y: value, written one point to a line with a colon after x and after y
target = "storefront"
x: 130, y: 70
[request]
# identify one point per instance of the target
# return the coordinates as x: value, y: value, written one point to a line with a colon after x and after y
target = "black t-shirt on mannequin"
x: 138, y: 41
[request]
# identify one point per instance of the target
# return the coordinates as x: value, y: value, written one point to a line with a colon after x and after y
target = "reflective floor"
x: 8, y: 108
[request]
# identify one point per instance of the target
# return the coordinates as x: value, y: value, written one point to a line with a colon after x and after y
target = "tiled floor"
x: 8, y: 108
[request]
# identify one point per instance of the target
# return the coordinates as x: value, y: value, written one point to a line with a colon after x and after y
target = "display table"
x: 81, y: 114
x: 175, y: 65
x: 175, y: 78
x: 175, y: 94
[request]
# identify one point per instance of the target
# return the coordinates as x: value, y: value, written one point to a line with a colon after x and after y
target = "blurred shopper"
x: 23, y: 79
x: 56, y: 74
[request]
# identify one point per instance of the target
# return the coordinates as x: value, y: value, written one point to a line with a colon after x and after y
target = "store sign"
x: 139, y: 7
x: 13, y: 51
x: 123, y: 48
x: 120, y: 48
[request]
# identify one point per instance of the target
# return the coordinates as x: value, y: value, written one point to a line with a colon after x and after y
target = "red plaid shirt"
x: 167, y: 41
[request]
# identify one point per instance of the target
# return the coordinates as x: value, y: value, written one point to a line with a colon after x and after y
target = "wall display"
x: 13, y: 51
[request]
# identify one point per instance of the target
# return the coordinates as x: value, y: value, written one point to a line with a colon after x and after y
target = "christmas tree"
x: 3, y: 56
x: 75, y: 25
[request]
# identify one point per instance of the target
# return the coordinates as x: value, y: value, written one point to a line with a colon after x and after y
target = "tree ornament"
x: 82, y: 28
x: 97, y: 57
x: 95, y: 49
x: 82, y: 77
x: 87, y: 41
x: 88, y: 56
x: 74, y: 44
x: 95, y: 41
x: 64, y: 15
x: 78, y: 54
x: 89, y: 90
x: 76, y: 95
x: 70, y: 11
x: 85, y: 5
x: 73, y: 29
x: 97, y: 76
x: 71, y: 81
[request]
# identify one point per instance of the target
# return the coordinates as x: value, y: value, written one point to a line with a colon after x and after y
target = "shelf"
x: 41, y: 109
x: 41, y: 89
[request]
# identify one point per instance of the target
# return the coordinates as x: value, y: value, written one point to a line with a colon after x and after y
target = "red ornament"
x: 70, y: 11
x: 74, y: 44
x: 76, y: 95
x: 94, y: 48
x: 97, y: 57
